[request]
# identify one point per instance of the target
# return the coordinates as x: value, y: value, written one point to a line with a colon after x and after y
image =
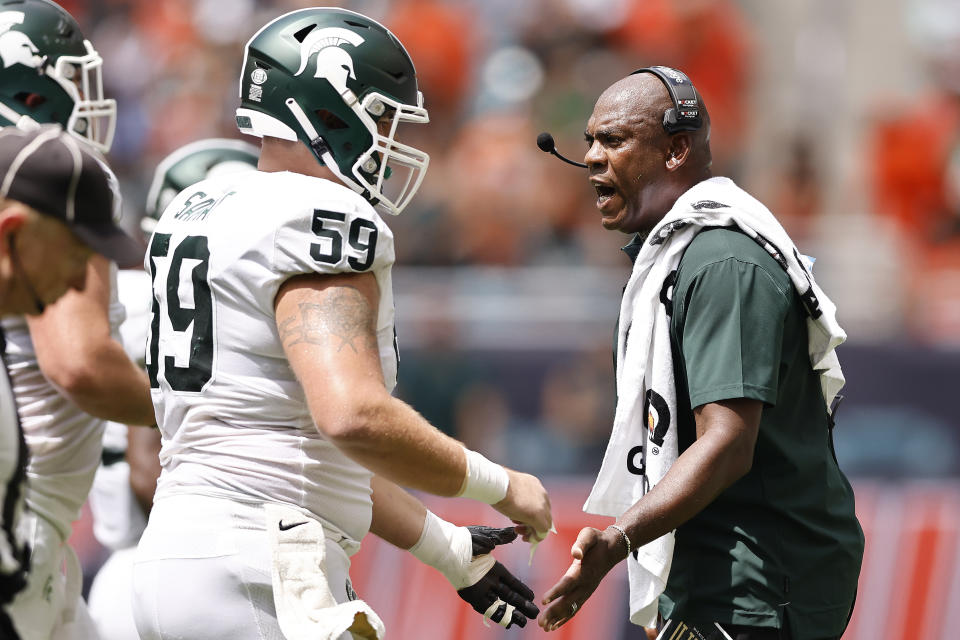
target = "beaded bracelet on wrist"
x: 623, y: 534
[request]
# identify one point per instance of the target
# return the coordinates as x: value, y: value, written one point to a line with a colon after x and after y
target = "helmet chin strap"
x: 20, y: 121
x: 320, y: 148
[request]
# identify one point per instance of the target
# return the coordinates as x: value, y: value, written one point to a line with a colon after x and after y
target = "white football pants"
x: 51, y: 607
x: 111, y: 597
x: 203, y: 572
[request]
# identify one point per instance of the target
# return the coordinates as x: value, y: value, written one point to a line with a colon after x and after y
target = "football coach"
x: 731, y: 510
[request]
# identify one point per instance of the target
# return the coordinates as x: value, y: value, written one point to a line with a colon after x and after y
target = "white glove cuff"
x: 449, y: 549
x: 485, y: 481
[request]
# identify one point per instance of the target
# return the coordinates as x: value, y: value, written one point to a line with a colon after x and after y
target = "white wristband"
x: 485, y: 481
x: 449, y: 549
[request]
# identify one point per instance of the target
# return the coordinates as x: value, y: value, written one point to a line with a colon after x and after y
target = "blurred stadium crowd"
x: 866, y: 177
x: 493, y: 73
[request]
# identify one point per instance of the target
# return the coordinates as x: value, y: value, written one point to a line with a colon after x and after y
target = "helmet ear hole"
x: 331, y: 120
x: 30, y: 100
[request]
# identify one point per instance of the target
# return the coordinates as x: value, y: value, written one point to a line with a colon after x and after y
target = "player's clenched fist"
x: 527, y: 504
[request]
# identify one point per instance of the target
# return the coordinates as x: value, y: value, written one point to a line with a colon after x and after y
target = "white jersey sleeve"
x: 233, y: 416
x: 333, y: 235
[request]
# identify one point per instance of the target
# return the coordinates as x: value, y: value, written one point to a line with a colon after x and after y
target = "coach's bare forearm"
x: 722, y: 453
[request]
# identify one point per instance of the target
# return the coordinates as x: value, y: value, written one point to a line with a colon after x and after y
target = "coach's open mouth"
x: 604, y: 193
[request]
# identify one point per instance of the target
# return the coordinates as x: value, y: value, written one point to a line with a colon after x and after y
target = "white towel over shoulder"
x: 643, y: 442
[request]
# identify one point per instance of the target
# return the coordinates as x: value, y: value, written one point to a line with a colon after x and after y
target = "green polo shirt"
x: 783, y: 542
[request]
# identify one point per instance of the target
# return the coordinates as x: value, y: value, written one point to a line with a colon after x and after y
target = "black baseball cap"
x: 62, y: 177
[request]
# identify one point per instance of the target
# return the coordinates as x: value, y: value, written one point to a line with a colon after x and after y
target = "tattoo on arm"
x: 343, y: 314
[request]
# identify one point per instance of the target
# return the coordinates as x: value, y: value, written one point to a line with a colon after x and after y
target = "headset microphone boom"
x: 546, y: 143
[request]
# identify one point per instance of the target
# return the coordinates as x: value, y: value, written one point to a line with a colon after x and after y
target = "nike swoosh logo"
x: 287, y: 527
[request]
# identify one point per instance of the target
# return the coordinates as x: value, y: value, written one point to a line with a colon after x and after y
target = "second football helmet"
x: 189, y: 165
x: 50, y: 74
x: 342, y: 84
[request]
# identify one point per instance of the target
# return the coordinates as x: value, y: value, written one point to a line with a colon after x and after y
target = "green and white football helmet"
x: 342, y: 84
x: 189, y: 165
x: 50, y: 74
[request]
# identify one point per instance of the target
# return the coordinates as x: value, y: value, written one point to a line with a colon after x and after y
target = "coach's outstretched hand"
x: 594, y: 553
x: 498, y: 593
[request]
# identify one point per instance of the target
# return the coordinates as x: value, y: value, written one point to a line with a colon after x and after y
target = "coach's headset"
x: 684, y: 116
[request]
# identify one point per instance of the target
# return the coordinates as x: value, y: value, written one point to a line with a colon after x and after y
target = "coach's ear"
x: 679, y: 151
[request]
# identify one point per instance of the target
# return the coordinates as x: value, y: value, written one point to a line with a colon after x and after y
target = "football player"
x: 56, y: 203
x: 67, y: 369
x: 51, y: 74
x: 123, y: 488
x: 272, y: 356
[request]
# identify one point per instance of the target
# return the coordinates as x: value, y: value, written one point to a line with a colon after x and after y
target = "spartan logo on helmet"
x: 16, y: 47
x: 333, y: 62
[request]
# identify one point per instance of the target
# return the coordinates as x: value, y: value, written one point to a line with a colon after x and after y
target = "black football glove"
x: 498, y: 594
x: 486, y: 538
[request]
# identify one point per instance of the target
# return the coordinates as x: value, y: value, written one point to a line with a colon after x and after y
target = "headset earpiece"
x: 669, y: 119
x: 685, y: 114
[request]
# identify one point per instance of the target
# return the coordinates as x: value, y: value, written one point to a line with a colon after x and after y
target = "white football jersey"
x: 133, y: 289
x: 118, y: 519
x: 233, y: 416
x: 64, y: 442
